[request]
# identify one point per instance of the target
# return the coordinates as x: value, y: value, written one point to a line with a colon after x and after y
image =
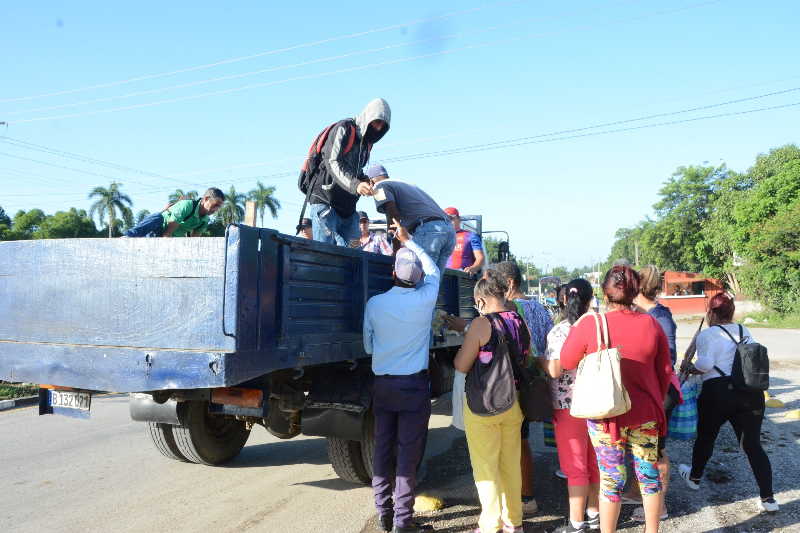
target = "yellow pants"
x: 494, y: 450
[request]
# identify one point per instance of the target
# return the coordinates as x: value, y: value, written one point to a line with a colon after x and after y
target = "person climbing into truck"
x: 184, y: 218
x: 417, y: 212
x: 332, y: 176
x: 396, y: 333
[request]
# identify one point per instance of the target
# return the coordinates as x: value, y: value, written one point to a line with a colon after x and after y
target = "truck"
x: 209, y: 336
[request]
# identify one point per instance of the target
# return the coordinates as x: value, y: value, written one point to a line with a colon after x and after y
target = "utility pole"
x: 636, y: 247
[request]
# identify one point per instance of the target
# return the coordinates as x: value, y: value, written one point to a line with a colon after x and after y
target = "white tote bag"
x: 598, y: 391
x: 459, y: 389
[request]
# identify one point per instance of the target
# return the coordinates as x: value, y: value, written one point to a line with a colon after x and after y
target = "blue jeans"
x: 150, y: 226
x: 438, y: 239
x: 328, y: 226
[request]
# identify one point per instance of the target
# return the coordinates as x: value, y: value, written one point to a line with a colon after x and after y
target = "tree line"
x: 113, y: 211
x: 740, y: 227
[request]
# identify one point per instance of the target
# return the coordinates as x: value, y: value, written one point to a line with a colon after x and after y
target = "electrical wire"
x: 343, y: 70
x: 258, y: 54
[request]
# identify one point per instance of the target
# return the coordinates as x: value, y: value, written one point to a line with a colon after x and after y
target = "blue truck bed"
x: 132, y: 315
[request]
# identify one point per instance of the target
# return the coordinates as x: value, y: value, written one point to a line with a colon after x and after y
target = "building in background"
x: 687, y: 293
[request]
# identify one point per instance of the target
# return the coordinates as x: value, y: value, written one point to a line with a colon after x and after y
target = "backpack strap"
x: 728, y: 333
x: 195, y: 203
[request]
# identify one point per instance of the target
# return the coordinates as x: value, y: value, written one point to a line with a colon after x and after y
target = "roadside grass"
x: 770, y: 319
x: 9, y: 391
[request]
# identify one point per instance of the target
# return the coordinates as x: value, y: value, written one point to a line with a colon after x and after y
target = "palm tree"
x: 109, y: 201
x: 180, y: 195
x: 264, y: 199
x: 232, y: 210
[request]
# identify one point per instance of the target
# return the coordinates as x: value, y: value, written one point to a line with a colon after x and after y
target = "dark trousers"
x: 151, y: 226
x: 402, y: 408
x: 719, y: 403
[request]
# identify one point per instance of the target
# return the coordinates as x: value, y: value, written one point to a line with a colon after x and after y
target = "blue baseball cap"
x: 376, y: 170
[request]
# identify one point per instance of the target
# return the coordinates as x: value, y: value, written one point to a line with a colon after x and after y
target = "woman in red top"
x: 646, y: 369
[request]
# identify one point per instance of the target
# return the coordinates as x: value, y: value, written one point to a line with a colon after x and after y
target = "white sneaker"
x: 530, y: 507
x: 770, y: 505
x: 685, y: 471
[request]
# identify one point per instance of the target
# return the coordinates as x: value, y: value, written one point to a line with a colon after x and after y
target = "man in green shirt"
x: 185, y: 218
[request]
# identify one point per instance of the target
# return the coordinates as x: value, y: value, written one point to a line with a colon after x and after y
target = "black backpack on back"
x: 490, y: 387
x: 750, y: 371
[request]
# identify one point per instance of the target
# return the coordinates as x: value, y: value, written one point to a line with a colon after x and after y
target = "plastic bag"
x: 683, y: 423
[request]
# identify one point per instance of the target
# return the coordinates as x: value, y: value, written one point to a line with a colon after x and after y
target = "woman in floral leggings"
x: 646, y: 372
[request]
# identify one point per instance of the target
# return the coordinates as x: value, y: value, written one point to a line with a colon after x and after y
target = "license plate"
x: 70, y: 403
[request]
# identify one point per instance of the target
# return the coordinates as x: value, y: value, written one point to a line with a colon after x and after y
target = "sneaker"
x: 638, y: 515
x: 769, y: 505
x: 560, y: 473
x: 569, y: 528
x: 685, y: 471
x: 413, y: 527
x: 593, y: 523
x: 386, y: 522
x: 529, y: 506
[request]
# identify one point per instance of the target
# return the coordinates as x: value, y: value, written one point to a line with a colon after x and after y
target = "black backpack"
x: 490, y: 387
x: 750, y: 371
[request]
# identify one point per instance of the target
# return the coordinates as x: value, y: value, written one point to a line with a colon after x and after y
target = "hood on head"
x: 377, y: 109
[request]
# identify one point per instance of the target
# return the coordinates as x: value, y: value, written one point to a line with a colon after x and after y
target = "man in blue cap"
x: 397, y: 334
x: 415, y: 210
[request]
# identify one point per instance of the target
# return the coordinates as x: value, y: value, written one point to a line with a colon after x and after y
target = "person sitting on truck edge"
x: 372, y: 241
x: 305, y: 229
x: 397, y: 333
x: 185, y: 218
x: 468, y: 253
x: 415, y: 210
x: 340, y: 177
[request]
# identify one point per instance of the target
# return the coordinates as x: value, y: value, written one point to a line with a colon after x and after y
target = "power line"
x: 343, y: 70
x: 327, y: 59
x: 258, y: 54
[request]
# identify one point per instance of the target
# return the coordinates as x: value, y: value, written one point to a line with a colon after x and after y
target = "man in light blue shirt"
x: 397, y: 327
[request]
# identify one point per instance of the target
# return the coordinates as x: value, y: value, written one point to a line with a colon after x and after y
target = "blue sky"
x: 456, y: 74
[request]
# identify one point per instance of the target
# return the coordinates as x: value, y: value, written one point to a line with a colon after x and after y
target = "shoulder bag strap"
x: 606, y: 335
x: 741, y: 334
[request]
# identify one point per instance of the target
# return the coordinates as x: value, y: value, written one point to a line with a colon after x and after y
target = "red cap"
x: 452, y: 211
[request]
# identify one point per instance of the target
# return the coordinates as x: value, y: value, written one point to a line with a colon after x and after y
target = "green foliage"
x: 232, y: 210
x: 264, y: 197
x: 110, y: 202
x: 5, y: 220
x: 66, y: 225
x: 741, y: 228
x: 179, y: 194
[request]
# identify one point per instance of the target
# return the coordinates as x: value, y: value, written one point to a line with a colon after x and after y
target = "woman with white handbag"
x: 623, y: 371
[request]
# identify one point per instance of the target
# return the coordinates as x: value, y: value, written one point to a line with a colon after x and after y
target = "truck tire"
x: 347, y: 460
x: 368, y: 444
x: 206, y: 439
x: 164, y: 440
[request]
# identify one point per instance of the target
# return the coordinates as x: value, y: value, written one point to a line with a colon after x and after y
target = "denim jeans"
x: 328, y: 226
x: 150, y: 226
x: 438, y: 239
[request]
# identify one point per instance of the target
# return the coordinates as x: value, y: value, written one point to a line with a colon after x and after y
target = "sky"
x: 159, y: 96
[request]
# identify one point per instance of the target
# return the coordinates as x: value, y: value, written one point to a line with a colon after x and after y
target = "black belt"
x: 421, y: 373
x: 413, y: 227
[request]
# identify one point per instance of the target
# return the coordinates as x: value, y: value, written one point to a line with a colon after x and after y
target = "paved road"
x: 104, y: 475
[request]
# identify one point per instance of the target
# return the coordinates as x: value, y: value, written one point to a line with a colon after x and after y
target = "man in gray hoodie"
x: 339, y: 179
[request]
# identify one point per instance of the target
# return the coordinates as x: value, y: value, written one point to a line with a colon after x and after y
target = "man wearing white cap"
x: 397, y: 328
x: 416, y: 211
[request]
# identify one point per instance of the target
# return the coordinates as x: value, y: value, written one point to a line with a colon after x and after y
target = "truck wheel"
x: 164, y: 440
x: 207, y: 439
x: 347, y: 461
x: 368, y: 444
